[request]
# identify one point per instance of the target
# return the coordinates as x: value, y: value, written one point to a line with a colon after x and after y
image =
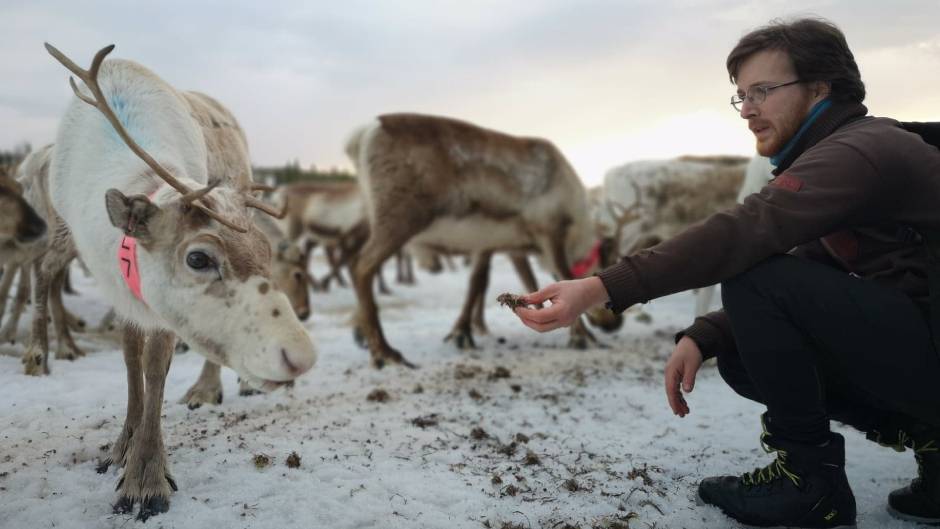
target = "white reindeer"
x: 171, y: 254
x: 452, y: 185
x: 671, y: 195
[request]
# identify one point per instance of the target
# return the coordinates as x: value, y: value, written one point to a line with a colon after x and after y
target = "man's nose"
x: 748, y: 109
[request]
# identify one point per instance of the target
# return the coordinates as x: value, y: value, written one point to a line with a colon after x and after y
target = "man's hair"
x: 817, y: 49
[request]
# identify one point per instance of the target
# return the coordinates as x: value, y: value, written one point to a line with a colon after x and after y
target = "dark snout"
x: 31, y: 226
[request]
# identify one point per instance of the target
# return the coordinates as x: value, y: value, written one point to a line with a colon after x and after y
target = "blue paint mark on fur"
x: 121, y: 108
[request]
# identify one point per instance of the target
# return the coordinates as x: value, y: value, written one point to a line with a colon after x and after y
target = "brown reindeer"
x: 447, y: 183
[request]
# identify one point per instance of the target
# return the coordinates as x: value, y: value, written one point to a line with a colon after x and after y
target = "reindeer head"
x: 19, y: 224
x: 202, y: 266
x: 609, y: 221
x: 289, y: 272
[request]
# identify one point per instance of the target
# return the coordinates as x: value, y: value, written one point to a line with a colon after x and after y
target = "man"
x: 824, y: 278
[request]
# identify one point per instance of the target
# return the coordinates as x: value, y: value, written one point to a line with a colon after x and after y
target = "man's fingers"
x: 541, y: 327
x: 673, y: 393
x: 539, y: 296
x: 671, y: 384
x: 688, y: 380
x: 539, y: 315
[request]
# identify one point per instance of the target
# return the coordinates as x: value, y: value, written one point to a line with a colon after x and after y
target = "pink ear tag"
x: 127, y: 260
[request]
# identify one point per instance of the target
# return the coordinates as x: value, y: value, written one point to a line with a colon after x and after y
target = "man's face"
x: 777, y: 119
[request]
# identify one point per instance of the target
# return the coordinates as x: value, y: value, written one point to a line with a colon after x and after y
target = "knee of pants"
x: 770, y: 272
x: 733, y: 373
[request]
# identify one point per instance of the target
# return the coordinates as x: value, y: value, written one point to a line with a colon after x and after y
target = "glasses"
x: 756, y: 95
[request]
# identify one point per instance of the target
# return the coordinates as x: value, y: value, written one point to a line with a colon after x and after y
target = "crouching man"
x: 827, y: 277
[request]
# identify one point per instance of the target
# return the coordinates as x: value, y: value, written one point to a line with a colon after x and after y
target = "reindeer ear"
x: 133, y: 215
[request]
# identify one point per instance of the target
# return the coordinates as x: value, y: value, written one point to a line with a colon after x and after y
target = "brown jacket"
x: 854, y: 193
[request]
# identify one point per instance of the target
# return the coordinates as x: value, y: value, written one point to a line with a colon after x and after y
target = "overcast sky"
x: 607, y: 81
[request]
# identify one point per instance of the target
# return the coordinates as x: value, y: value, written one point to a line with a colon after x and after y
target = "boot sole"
x: 911, y: 518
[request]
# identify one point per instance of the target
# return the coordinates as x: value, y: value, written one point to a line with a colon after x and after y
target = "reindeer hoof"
x: 379, y: 360
x: 578, y: 342
x: 359, y: 337
x: 248, y: 392
x: 124, y: 505
x: 152, y: 507
x: 462, y: 339
x: 103, y: 465
x: 33, y: 364
x: 181, y: 347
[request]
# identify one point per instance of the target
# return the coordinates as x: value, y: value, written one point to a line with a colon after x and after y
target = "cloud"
x: 587, y: 75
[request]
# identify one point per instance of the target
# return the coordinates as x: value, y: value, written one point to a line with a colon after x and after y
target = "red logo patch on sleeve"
x: 787, y: 181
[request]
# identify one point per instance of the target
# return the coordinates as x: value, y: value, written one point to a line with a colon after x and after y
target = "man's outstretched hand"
x: 568, y: 300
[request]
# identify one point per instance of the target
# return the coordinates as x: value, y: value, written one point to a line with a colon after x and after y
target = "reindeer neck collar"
x: 127, y: 261
x: 581, y: 268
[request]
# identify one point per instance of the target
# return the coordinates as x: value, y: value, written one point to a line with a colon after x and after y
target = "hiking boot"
x: 919, y: 501
x: 805, y: 486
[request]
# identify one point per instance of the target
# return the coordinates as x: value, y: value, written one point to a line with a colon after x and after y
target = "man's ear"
x: 822, y: 89
x: 133, y: 215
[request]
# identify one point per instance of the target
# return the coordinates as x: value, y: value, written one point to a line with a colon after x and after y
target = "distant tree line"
x: 293, y: 172
x: 285, y: 174
x: 9, y: 159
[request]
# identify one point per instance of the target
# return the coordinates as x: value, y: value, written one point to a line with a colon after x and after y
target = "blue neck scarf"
x: 814, y: 113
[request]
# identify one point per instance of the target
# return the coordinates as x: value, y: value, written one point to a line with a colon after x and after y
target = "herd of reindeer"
x: 151, y: 190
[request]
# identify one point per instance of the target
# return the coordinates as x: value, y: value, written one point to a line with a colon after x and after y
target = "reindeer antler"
x: 624, y: 215
x: 90, y: 78
x: 252, y: 202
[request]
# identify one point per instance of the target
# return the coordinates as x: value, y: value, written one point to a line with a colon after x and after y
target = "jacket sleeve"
x: 831, y: 187
x: 712, y: 333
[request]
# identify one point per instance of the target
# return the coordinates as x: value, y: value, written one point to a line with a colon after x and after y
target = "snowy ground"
x: 569, y: 439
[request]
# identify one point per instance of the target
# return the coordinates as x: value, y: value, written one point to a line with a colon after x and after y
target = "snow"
x: 597, y: 417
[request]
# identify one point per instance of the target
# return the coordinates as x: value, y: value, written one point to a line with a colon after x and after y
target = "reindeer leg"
x: 364, y: 267
x: 703, y: 300
x: 479, y: 277
x: 67, y: 284
x: 409, y: 268
x: 8, y: 333
x: 380, y: 281
x: 147, y: 477
x: 207, y: 389
x: 107, y: 322
x: 6, y: 283
x: 133, y: 350
x: 336, y: 262
x: 66, y: 349
x: 36, y: 357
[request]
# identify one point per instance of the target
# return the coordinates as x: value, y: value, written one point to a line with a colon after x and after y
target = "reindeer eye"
x: 198, y: 260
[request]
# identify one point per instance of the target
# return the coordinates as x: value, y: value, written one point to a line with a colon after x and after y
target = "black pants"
x: 814, y: 343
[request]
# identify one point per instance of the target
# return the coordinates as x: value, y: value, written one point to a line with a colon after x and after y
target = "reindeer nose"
x: 303, y: 314
x: 32, y: 228
x: 296, y: 366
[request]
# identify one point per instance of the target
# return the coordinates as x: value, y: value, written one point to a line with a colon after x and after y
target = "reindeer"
x: 329, y: 214
x: 447, y: 183
x: 184, y: 259
x: 22, y: 230
x: 670, y: 195
x: 33, y: 176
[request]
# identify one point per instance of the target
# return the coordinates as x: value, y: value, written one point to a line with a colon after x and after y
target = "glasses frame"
x: 737, y: 102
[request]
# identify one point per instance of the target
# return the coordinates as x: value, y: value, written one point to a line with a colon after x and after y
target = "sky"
x: 607, y: 81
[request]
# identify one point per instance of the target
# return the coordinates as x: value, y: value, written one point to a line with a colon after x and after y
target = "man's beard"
x: 782, y: 133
